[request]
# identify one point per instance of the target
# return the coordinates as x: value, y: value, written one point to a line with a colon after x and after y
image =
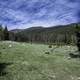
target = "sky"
x: 30, y: 13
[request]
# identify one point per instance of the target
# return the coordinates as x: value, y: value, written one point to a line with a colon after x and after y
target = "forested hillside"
x: 54, y: 34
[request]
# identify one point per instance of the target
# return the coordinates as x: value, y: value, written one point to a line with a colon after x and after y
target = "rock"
x: 72, y: 77
x: 68, y: 46
x: 78, y: 78
x: 68, y: 57
x: 10, y: 46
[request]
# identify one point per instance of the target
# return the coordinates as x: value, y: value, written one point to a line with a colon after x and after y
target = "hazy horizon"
x: 21, y: 14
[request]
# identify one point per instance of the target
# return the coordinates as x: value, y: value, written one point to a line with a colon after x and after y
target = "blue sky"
x: 28, y: 13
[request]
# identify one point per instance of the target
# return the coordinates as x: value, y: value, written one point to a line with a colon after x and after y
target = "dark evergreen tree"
x: 1, y: 33
x: 78, y: 37
x: 6, y: 34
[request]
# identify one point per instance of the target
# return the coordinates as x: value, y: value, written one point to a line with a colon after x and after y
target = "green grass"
x: 29, y: 62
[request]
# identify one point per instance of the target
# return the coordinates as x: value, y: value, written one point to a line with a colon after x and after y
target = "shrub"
x: 47, y: 52
x: 4, y: 48
x: 74, y: 55
x: 0, y: 52
x: 50, y: 46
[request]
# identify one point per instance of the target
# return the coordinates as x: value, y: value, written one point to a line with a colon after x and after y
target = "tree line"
x: 4, y: 33
x: 57, y: 35
x: 52, y: 35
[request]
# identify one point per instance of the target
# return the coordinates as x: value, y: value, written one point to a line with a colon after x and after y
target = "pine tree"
x: 1, y: 33
x: 6, y: 34
x: 78, y: 37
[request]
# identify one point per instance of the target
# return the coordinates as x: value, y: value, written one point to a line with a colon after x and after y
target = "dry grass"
x: 29, y: 62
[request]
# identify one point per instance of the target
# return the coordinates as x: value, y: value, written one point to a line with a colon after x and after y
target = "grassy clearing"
x: 29, y: 62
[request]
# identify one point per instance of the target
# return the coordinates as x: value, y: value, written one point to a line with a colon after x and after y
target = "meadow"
x: 25, y: 61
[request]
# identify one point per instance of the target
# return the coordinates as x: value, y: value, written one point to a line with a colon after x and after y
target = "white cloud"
x: 38, y: 12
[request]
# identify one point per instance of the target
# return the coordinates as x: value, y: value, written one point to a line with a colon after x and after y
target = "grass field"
x: 24, y: 61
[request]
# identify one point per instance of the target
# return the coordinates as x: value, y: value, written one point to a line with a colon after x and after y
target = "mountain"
x: 60, y: 28
x: 61, y: 33
x: 16, y: 30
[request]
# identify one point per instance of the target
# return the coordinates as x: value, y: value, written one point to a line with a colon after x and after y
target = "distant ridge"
x: 53, y: 34
x: 44, y: 28
x: 16, y: 30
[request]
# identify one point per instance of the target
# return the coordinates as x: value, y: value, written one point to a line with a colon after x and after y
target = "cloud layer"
x: 26, y: 13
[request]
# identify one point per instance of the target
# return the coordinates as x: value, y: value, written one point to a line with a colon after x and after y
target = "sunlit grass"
x: 29, y: 62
